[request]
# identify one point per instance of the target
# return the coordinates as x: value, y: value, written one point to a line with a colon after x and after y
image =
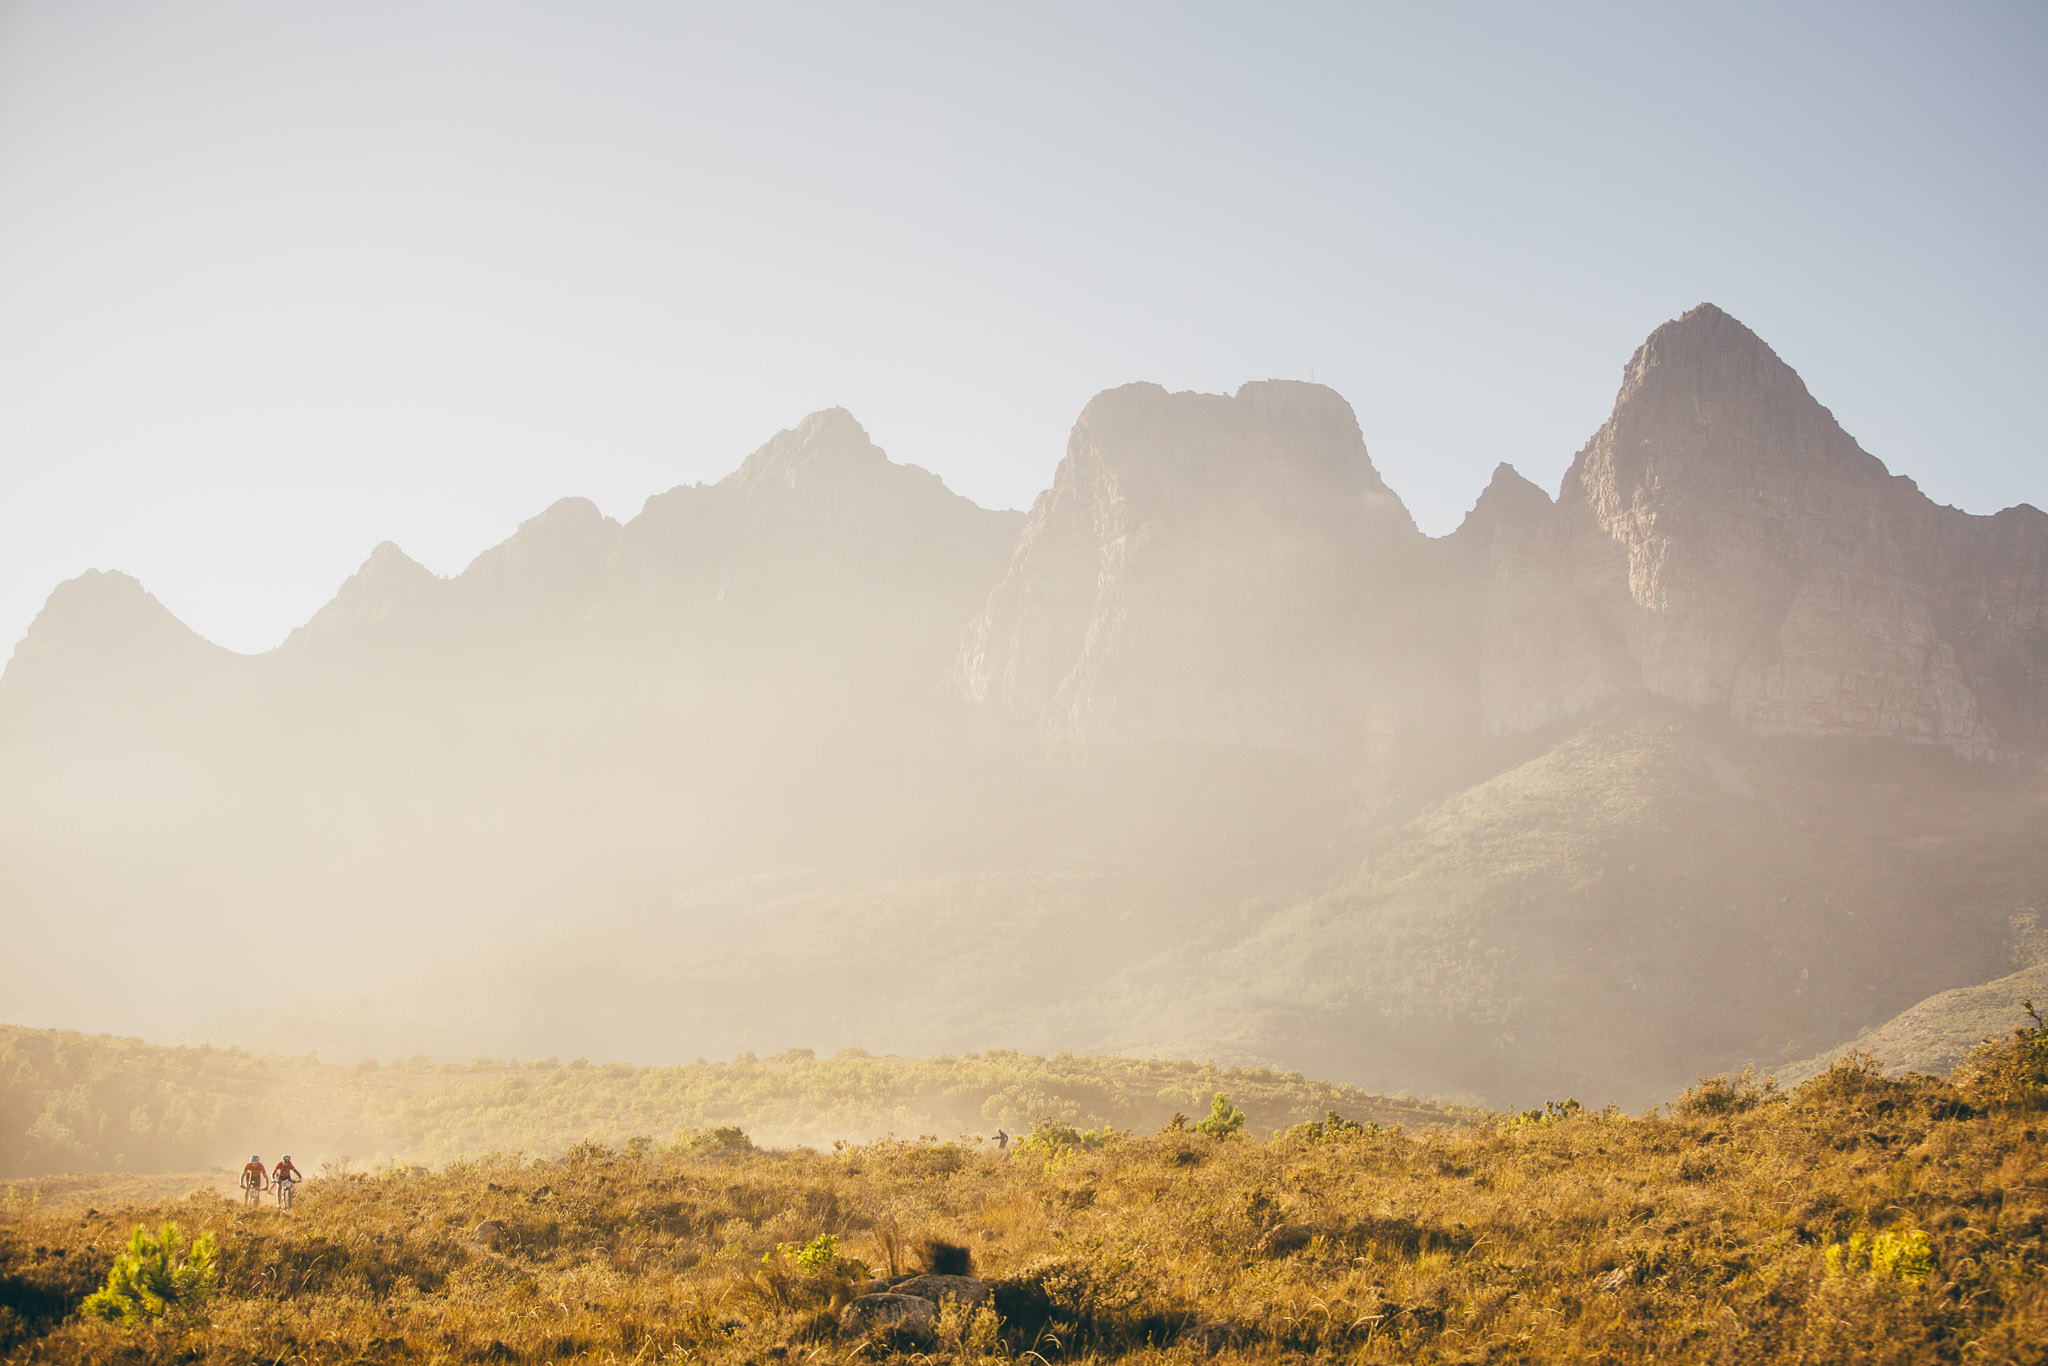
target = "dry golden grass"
x: 1698, y: 1235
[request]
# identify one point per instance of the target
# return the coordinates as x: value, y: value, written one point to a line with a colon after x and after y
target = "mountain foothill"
x: 1731, y: 751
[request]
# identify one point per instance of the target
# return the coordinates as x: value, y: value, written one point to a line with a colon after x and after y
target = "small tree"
x: 152, y: 1279
x: 1224, y: 1118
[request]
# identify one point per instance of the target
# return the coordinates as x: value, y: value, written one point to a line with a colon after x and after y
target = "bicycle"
x: 284, y: 1186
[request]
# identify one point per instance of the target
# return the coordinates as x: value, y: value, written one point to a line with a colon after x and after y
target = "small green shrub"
x: 153, y: 1278
x: 801, y: 1276
x: 1224, y: 1118
x: 1051, y: 1137
x: 1552, y: 1112
x: 815, y: 1255
x: 1907, y: 1257
x: 1331, y: 1127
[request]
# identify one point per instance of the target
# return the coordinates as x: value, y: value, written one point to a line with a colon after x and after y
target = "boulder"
x: 872, y: 1312
x: 963, y: 1290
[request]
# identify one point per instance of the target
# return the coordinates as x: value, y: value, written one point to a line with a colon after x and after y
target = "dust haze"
x: 1726, y: 751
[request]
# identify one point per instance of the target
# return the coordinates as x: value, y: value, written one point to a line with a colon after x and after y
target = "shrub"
x: 815, y: 1255
x: 1854, y: 1081
x: 801, y: 1276
x: 1715, y: 1096
x: 1330, y: 1127
x: 1224, y: 1118
x: 1051, y: 1137
x: 2011, y: 1073
x: 1905, y: 1257
x: 1551, y: 1113
x: 943, y: 1257
x: 1067, y: 1295
x: 725, y: 1140
x: 152, y: 1278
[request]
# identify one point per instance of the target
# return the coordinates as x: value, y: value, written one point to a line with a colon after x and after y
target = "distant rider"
x: 284, y: 1176
x: 253, y: 1180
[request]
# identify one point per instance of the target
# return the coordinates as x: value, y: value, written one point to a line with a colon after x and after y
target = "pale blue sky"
x: 281, y: 281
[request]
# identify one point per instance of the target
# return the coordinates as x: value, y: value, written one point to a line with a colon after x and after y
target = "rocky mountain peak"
x: 101, y: 621
x: 104, y: 604
x: 1205, y: 567
x: 571, y: 531
x: 827, y: 446
x: 1752, y: 556
x: 1507, y: 499
x: 1704, y: 345
x: 1706, y: 399
x: 388, y: 564
x: 387, y: 584
x: 1276, y: 440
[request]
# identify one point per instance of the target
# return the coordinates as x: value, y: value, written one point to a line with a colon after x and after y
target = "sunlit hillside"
x: 1856, y: 1220
x: 75, y: 1102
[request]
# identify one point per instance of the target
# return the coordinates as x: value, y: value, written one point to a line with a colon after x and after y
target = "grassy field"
x: 82, y: 1102
x: 1859, y: 1218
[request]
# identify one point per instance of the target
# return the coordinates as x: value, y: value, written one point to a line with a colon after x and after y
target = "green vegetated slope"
x: 1857, y: 1220
x: 947, y: 963
x: 77, y: 1102
x: 1938, y: 1033
x: 1653, y: 896
x: 1656, y: 897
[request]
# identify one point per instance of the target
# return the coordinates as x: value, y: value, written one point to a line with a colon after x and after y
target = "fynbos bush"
x: 1224, y: 1118
x: 152, y: 1278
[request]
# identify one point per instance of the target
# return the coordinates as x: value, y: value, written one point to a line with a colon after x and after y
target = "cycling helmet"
x: 254, y: 1158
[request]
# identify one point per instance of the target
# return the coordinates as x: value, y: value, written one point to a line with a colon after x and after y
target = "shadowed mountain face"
x: 1204, y: 570
x: 1733, y: 749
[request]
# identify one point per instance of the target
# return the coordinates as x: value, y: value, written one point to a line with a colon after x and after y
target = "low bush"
x: 157, y: 1276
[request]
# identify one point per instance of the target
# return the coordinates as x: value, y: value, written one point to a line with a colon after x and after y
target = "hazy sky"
x: 279, y: 281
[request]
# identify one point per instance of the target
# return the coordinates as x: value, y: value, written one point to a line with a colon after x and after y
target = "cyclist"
x: 284, y: 1177
x: 253, y: 1180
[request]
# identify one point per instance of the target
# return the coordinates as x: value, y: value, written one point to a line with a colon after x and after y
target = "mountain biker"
x: 284, y: 1177
x: 254, y: 1179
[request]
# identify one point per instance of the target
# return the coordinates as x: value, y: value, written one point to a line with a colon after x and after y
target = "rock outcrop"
x: 875, y: 1313
x: 1544, y: 652
x: 1205, y: 570
x: 1751, y: 556
x: 965, y: 1291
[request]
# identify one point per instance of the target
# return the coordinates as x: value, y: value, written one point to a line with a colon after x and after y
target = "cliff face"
x: 1230, y: 571
x: 1205, y: 570
x: 1750, y: 556
x: 1543, y: 650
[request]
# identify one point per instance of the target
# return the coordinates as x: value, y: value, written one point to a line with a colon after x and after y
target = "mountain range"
x: 1732, y: 750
